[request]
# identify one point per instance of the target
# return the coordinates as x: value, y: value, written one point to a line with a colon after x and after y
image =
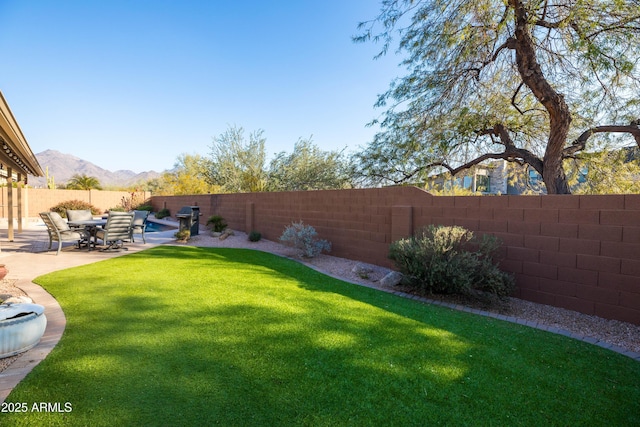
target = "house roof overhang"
x: 15, y: 152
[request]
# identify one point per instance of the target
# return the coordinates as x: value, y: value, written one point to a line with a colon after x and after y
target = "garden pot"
x: 21, y: 327
x: 3, y: 271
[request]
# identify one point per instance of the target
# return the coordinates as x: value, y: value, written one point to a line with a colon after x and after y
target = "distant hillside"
x: 63, y: 166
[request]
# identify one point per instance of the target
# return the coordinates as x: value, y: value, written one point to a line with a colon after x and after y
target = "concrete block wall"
x: 36, y: 200
x: 575, y: 252
x: 357, y: 222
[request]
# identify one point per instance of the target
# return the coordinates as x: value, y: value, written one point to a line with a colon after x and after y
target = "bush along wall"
x: 450, y: 260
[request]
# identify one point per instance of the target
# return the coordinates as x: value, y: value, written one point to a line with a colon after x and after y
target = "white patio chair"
x: 59, y: 230
x: 116, y: 231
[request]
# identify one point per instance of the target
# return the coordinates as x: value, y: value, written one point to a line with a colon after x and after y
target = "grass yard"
x: 187, y: 336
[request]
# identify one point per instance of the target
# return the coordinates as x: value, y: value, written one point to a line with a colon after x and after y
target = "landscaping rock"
x: 362, y: 271
x: 228, y: 232
x: 392, y: 279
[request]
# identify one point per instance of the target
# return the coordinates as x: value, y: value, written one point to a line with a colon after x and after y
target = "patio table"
x: 91, y: 225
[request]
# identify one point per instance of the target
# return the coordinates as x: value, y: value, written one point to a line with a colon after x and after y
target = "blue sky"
x: 133, y: 84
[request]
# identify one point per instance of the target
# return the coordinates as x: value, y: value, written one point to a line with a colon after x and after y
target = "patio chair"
x: 59, y: 231
x: 116, y: 231
x: 139, y: 224
x: 78, y: 215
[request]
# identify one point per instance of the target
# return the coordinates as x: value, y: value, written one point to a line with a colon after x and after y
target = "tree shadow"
x: 241, y: 337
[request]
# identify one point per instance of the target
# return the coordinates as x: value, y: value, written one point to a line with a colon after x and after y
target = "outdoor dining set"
x: 114, y: 229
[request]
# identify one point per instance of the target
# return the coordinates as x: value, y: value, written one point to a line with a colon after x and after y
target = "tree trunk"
x: 554, y: 177
x: 559, y: 115
x: 552, y: 169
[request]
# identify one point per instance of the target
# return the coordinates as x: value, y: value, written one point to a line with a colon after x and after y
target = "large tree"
x: 238, y: 165
x: 190, y: 175
x: 531, y: 82
x: 308, y: 168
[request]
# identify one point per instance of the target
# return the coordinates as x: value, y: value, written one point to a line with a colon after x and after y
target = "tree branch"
x: 580, y: 143
x: 508, y: 44
x: 513, y: 98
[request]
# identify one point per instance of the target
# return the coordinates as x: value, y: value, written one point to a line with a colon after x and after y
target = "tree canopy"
x: 308, y: 168
x: 190, y: 175
x: 238, y: 165
x: 534, y: 82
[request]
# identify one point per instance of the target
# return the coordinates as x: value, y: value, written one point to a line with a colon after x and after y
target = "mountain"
x: 63, y: 166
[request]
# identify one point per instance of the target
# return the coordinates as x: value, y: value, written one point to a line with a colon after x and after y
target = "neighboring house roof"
x: 15, y: 152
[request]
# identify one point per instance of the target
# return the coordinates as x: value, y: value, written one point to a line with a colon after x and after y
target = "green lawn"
x: 199, y: 336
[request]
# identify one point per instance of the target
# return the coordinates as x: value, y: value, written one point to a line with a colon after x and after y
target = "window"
x: 483, y: 183
x: 582, y: 175
x: 534, y: 178
x: 467, y: 182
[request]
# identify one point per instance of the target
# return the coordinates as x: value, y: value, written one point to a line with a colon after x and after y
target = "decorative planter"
x: 21, y: 327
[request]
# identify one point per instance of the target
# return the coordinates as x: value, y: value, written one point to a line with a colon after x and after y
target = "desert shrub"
x: 183, y: 235
x: 304, y: 237
x: 62, y: 207
x: 254, y: 236
x: 162, y: 213
x: 450, y: 260
x: 217, y: 223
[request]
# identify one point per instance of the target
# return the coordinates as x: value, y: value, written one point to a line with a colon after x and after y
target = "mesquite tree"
x: 308, y: 168
x: 531, y: 82
x: 237, y: 165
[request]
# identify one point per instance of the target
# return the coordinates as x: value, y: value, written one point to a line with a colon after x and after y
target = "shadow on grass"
x: 195, y: 336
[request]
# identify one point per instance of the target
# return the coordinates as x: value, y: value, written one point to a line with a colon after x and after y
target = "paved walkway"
x: 27, y: 258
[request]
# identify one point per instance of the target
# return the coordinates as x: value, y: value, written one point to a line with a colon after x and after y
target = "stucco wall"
x: 36, y: 200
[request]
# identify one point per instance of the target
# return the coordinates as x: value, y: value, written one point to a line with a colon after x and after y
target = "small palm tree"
x: 83, y: 182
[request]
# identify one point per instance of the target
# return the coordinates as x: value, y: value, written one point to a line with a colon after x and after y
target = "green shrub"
x: 217, y: 222
x: 183, y: 235
x: 254, y: 236
x: 303, y: 237
x: 62, y: 207
x: 449, y: 260
x: 162, y: 213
